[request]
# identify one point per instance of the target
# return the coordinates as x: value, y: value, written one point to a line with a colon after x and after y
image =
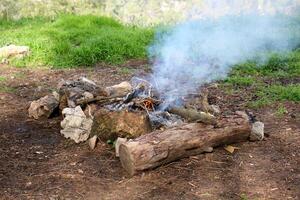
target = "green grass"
x: 281, y: 93
x: 7, y: 89
x: 71, y: 41
x: 240, y: 81
x: 281, y: 111
x: 285, y: 65
x: 264, y: 79
x: 2, y: 79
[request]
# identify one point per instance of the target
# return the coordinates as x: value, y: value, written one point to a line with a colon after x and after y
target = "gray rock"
x: 257, y: 131
x: 44, y: 106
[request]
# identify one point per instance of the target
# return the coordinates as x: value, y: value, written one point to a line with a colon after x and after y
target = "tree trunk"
x: 158, y: 148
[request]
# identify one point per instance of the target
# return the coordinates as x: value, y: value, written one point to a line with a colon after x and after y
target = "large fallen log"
x: 158, y: 148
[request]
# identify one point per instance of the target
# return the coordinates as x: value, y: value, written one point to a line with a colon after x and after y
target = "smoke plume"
x: 203, y: 50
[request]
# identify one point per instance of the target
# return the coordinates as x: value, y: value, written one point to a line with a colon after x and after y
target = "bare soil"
x: 37, y: 162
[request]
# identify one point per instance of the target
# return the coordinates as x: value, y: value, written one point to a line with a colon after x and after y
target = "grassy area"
x: 71, y: 41
x: 276, y: 80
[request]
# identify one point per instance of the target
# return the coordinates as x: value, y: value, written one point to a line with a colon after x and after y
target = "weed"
x: 259, y: 103
x: 2, y: 79
x: 282, y: 93
x: 281, y: 111
x: 243, y: 197
x: 7, y: 89
x: 251, y: 73
x: 285, y: 65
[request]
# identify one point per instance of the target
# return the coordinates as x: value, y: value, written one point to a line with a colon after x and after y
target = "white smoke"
x: 203, y: 50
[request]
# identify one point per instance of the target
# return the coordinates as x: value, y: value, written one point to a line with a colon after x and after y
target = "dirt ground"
x: 37, y: 162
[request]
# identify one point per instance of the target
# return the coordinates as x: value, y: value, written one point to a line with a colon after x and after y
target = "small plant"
x: 243, y: 197
x: 259, y: 103
x: 281, y: 111
x: 2, y: 79
x: 7, y: 89
x: 283, y: 93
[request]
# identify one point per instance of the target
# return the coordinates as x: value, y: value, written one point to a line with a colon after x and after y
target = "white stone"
x: 76, y: 125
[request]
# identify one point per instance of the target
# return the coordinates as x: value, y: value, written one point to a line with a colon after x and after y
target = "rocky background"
x: 142, y: 12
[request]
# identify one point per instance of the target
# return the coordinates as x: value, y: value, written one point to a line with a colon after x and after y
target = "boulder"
x: 44, y: 106
x: 109, y: 125
x: 76, y: 125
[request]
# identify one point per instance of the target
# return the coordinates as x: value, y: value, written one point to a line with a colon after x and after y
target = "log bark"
x: 158, y: 148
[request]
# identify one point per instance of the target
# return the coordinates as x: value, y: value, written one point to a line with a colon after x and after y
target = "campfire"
x: 149, y: 129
